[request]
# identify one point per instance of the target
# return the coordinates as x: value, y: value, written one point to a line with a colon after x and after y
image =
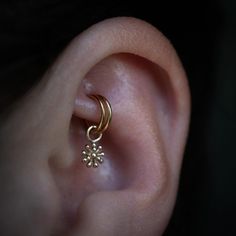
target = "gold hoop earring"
x: 92, y: 156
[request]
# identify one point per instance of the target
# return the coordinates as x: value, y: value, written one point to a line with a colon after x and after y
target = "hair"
x: 33, y: 33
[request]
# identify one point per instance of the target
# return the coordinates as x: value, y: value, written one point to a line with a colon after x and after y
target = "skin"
x: 46, y: 190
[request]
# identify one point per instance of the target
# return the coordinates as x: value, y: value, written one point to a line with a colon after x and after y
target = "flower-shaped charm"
x: 92, y: 155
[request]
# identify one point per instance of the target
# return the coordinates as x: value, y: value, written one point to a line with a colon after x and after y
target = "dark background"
x: 32, y: 33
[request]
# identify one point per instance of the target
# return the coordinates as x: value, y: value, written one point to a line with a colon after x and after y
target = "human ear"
x: 137, y: 70
x: 135, y: 67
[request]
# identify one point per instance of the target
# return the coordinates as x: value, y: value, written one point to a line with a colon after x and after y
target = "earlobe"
x: 138, y: 71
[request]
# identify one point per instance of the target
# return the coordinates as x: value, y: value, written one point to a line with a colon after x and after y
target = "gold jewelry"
x: 92, y: 156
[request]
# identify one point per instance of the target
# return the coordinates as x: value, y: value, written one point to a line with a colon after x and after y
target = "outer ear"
x: 133, y: 194
x: 135, y: 67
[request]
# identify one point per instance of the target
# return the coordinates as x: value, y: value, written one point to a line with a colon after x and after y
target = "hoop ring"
x: 106, y: 113
x: 94, y: 140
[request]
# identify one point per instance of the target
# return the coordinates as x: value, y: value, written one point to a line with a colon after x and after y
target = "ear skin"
x: 145, y: 141
x: 135, y: 67
x: 138, y: 144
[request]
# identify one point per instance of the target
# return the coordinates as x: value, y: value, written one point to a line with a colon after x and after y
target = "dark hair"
x: 34, y: 32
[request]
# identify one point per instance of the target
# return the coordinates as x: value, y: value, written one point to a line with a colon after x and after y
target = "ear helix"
x: 93, y: 155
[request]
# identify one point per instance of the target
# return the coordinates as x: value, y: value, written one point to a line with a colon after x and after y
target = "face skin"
x: 46, y: 190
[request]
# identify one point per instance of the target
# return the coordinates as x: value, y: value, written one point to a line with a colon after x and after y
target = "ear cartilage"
x: 92, y: 155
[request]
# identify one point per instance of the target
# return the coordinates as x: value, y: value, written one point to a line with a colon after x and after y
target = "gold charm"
x: 92, y: 156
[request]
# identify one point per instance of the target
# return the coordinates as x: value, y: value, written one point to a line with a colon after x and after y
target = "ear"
x: 135, y: 67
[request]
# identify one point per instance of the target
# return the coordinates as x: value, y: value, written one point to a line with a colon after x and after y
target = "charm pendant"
x: 92, y: 155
